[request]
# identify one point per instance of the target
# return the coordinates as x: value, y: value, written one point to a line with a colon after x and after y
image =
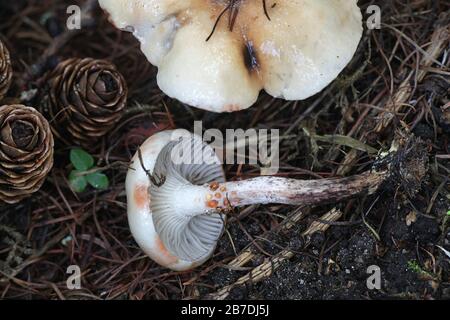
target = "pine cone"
x: 86, y: 99
x: 5, y: 70
x: 26, y: 152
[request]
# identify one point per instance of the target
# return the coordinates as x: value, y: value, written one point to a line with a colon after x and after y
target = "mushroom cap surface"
x: 145, y: 201
x: 294, y: 55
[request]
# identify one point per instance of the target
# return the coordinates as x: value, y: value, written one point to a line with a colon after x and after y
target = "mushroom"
x: 163, y: 219
x: 178, y: 197
x: 218, y: 55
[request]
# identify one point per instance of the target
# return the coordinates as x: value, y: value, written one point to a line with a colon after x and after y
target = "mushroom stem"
x: 194, y: 200
x: 264, y: 190
x: 188, y: 201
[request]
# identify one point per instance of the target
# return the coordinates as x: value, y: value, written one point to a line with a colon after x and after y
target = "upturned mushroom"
x: 219, y: 54
x: 178, y: 196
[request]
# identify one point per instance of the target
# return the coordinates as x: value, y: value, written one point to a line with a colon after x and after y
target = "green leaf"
x: 98, y: 180
x: 81, y: 160
x: 77, y: 183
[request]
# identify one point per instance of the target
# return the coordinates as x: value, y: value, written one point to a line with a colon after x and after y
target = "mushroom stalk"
x: 264, y: 190
x: 193, y: 200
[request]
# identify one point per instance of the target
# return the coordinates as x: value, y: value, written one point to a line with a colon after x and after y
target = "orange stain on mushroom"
x: 141, y: 196
x: 212, y: 204
x: 232, y: 108
x: 214, y: 186
x: 164, y: 257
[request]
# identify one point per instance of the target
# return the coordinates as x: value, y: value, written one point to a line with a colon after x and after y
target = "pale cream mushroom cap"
x: 294, y: 55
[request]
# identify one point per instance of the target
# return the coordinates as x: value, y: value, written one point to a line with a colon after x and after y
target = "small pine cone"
x: 26, y: 152
x: 86, y: 99
x: 5, y: 70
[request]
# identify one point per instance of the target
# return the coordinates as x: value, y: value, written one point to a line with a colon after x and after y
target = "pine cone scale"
x: 25, y: 135
x: 100, y: 96
x: 17, y: 156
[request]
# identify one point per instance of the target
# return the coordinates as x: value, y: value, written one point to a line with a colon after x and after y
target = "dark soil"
x: 397, y: 229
